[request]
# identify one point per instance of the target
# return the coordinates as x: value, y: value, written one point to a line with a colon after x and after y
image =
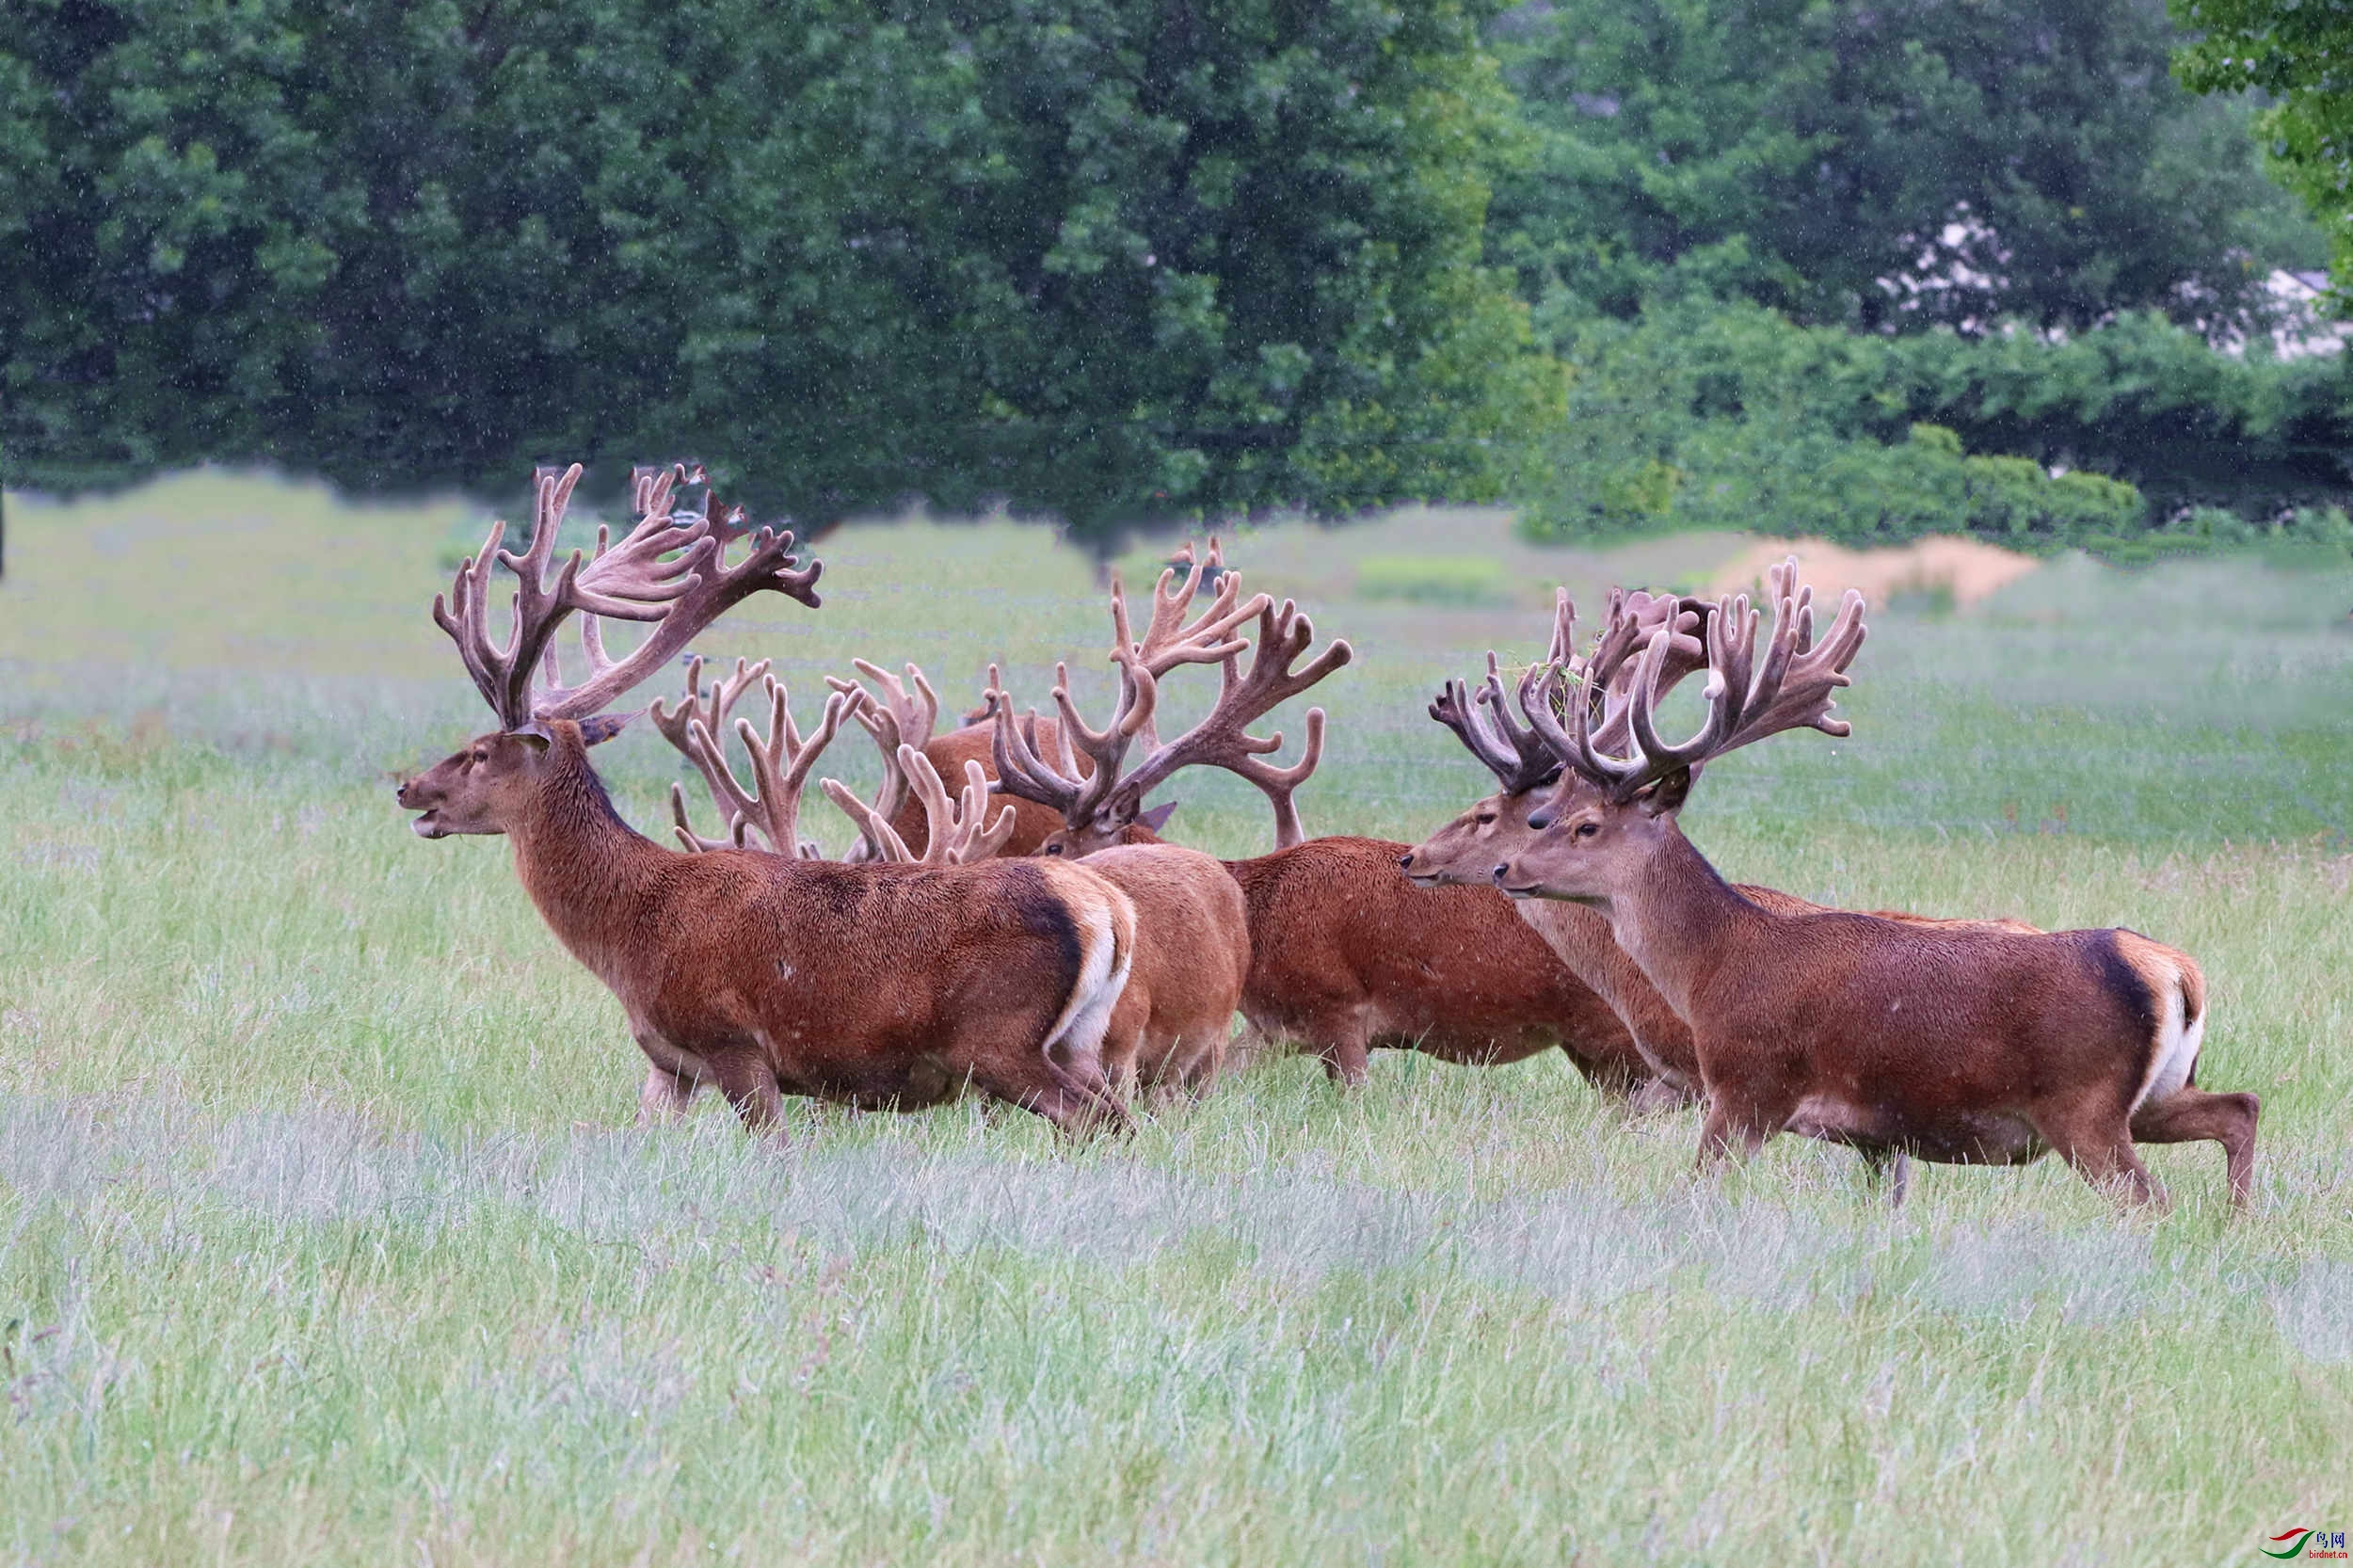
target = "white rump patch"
x: 1102, y: 976
x: 2177, y: 1044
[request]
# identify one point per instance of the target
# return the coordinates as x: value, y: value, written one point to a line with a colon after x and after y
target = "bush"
x: 1726, y: 416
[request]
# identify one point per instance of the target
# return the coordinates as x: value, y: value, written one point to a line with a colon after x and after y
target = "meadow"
x: 326, y: 1234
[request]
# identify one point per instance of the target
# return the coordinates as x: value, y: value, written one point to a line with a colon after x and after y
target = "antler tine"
x: 1748, y: 700
x: 781, y: 760
x: 1452, y: 707
x: 1688, y: 620
x: 708, y: 712
x: 664, y: 571
x: 504, y: 676
x: 960, y: 833
x: 1565, y: 684
x: 1076, y: 794
x: 683, y: 826
x: 1732, y: 644
x: 873, y: 828
x: 1168, y: 642
x: 1793, y: 689
x: 631, y: 581
x: 1515, y: 755
x: 894, y: 718
x: 1221, y: 740
x: 464, y: 615
x: 1279, y: 784
x: 1019, y: 769
x: 977, y: 842
x: 1529, y: 762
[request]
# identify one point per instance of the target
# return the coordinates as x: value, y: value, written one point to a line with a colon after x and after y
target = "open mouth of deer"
x: 429, y: 826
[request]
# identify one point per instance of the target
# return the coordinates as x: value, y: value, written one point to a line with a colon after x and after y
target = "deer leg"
x: 750, y: 1085
x: 1075, y: 1106
x: 1651, y: 1097
x: 1346, y: 1053
x: 1733, y: 1126
x: 663, y: 1097
x: 2100, y: 1146
x: 1076, y: 1096
x: 1891, y: 1168
x: 2190, y: 1114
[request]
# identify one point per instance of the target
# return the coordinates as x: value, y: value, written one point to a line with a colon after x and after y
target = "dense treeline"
x: 1107, y: 257
x: 1865, y: 268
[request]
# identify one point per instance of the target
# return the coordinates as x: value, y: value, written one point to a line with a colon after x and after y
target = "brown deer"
x: 897, y: 716
x: 1961, y: 1043
x: 1192, y: 930
x: 1345, y: 954
x: 760, y: 973
x: 1467, y: 851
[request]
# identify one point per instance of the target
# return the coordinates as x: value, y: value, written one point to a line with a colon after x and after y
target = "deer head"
x: 1623, y: 784
x: 669, y: 571
x: 1526, y: 768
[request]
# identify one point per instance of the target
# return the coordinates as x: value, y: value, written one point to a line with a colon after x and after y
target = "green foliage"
x: 1801, y: 151
x: 1730, y: 417
x: 1433, y: 579
x: 1109, y: 259
x: 2294, y: 55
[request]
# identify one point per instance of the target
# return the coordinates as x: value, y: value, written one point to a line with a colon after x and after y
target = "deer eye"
x: 1053, y: 849
x: 1485, y: 817
x: 479, y: 757
x: 1586, y: 829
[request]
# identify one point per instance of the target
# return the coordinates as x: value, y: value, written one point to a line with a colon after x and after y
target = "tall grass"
x: 324, y: 1236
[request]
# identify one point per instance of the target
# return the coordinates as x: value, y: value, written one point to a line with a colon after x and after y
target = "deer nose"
x: 1501, y: 867
x: 1405, y: 861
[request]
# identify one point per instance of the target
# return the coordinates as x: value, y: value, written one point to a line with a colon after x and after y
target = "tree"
x: 1109, y: 259
x: 1885, y: 166
x: 2293, y: 54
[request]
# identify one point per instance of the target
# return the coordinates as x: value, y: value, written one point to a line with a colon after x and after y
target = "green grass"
x: 324, y: 1236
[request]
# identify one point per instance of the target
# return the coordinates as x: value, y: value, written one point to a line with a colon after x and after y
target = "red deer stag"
x: 1467, y: 851
x: 1955, y: 1043
x: 1193, y: 931
x: 1345, y: 954
x: 763, y: 974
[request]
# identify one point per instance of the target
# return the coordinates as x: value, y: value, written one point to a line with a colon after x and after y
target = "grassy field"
x: 325, y: 1235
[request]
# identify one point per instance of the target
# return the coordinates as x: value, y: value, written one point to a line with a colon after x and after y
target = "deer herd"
x: 1009, y: 919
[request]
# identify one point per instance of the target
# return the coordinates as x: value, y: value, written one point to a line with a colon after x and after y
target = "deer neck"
x: 1680, y: 921
x: 1582, y: 939
x: 588, y: 871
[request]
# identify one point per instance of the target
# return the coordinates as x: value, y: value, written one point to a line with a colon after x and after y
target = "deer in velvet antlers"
x: 1344, y: 955
x: 1956, y: 1042
x: 763, y: 974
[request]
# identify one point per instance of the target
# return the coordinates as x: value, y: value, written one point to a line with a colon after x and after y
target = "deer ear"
x: 537, y: 733
x: 595, y: 731
x: 1158, y: 817
x: 1666, y: 797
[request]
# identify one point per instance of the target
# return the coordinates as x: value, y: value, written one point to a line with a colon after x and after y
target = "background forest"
x: 1802, y: 265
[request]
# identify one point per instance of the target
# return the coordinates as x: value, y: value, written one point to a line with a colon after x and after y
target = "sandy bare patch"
x: 1969, y: 569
